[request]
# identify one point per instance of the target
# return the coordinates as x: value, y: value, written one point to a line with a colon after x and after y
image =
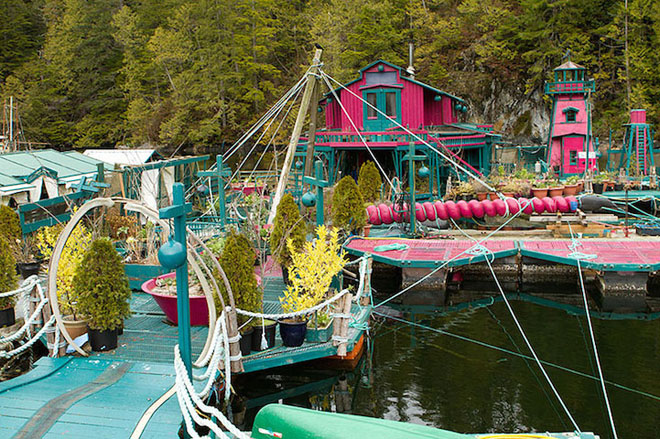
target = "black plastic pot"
x: 246, y: 341
x: 285, y: 275
x: 292, y: 333
x: 102, y: 340
x: 618, y: 186
x: 28, y: 269
x: 268, y: 330
x: 598, y: 188
x: 7, y: 317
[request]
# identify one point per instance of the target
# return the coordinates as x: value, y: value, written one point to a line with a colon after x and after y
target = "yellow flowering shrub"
x: 312, y: 270
x: 72, y: 254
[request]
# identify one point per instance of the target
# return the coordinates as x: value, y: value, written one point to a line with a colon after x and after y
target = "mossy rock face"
x: 237, y: 261
x: 369, y: 181
x: 8, y: 277
x: 288, y: 224
x: 348, y: 210
x: 101, y: 286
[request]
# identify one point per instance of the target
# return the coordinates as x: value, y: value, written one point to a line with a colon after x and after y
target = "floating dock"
x: 624, y: 271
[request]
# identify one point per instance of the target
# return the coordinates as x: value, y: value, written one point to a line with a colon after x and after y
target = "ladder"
x: 640, y: 148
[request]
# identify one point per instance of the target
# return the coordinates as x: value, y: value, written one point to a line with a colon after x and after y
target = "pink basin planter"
x: 199, y: 310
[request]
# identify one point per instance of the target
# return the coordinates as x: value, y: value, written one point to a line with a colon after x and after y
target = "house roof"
x: 122, y: 157
x: 402, y: 71
x: 570, y: 65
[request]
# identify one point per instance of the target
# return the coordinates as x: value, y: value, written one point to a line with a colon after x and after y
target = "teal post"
x: 100, y: 173
x: 222, y: 210
x: 177, y: 212
x: 320, y: 183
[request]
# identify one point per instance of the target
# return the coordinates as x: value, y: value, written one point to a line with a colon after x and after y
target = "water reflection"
x: 425, y: 377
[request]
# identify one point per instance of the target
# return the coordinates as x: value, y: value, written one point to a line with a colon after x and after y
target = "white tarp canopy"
x: 121, y: 157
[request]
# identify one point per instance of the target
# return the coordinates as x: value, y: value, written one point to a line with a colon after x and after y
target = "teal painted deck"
x: 106, y: 394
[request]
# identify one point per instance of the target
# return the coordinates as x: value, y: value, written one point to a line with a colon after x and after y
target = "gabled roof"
x: 570, y: 65
x: 66, y: 166
x: 402, y: 71
x: 567, y: 109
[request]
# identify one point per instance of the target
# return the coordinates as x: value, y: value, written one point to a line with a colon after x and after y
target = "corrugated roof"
x: 123, y: 157
x: 67, y: 166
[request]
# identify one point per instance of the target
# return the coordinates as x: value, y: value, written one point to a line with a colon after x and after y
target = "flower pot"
x: 570, y: 189
x: 580, y: 186
x: 28, y: 269
x: 618, y: 186
x: 319, y: 335
x: 199, y: 310
x: 367, y: 229
x: 482, y: 196
x: 269, y: 330
x: 493, y: 196
x: 246, y: 340
x: 75, y: 328
x: 509, y: 194
x: 540, y: 192
x: 7, y: 317
x: 598, y: 188
x: 555, y: 191
x: 292, y: 332
x: 100, y: 341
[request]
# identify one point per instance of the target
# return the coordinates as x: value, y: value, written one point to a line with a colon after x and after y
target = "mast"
x: 295, y: 135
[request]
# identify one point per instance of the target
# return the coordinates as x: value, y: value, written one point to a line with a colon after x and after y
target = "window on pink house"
x: 573, y: 158
x: 371, y: 108
x: 570, y: 116
x: 390, y: 104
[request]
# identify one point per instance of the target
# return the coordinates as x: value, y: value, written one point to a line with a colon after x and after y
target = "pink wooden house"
x: 374, y: 107
x: 570, y: 142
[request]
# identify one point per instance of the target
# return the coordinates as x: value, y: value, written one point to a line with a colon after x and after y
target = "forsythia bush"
x: 312, y: 270
x: 72, y: 254
x: 8, y: 278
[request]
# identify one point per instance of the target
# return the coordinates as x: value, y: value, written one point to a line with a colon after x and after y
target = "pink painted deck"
x: 428, y: 252
x: 610, y: 255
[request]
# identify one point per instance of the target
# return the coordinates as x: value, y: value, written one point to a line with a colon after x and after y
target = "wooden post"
x: 46, y: 313
x: 366, y: 292
x: 234, y: 347
x: 295, y: 135
x: 342, y: 326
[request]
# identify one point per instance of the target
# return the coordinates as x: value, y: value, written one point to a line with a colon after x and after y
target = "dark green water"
x: 415, y: 375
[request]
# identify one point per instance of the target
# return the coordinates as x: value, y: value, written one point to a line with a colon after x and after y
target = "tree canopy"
x: 198, y: 72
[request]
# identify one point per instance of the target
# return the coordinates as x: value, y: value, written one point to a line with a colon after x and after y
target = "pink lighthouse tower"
x: 570, y: 143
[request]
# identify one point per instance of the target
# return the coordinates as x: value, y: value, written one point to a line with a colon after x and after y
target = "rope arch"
x: 193, y: 258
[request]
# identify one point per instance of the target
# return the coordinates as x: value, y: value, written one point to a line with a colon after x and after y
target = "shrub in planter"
x: 101, y: 287
x: 288, y: 224
x: 369, y: 181
x: 10, y: 227
x: 8, y: 281
x: 312, y: 272
x: 348, y: 211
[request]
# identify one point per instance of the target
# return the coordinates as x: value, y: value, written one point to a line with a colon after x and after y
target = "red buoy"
x: 489, y: 208
x: 562, y: 204
x: 441, y: 210
x: 385, y: 213
x: 549, y: 205
x: 476, y: 208
x: 539, y: 207
x: 526, y: 205
x: 452, y: 210
x: 513, y: 206
x: 419, y: 212
x: 429, y: 210
x: 500, y: 207
x: 465, y: 210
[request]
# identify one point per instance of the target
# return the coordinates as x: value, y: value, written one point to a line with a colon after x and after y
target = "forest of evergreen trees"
x: 95, y: 73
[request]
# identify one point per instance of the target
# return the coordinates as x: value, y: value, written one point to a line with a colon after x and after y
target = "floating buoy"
x: 526, y: 206
x: 452, y: 210
x: 489, y: 208
x: 372, y: 214
x: 549, y: 205
x: 429, y: 210
x: 562, y: 204
x: 441, y: 210
x: 500, y: 207
x: 514, y: 207
x: 465, y: 210
x: 539, y: 207
x: 385, y: 213
x: 477, y: 208
x: 419, y: 212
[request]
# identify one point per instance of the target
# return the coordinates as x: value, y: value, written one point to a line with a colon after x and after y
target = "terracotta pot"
x: 508, y: 194
x: 482, y: 196
x: 540, y: 192
x: 555, y: 191
x: 570, y: 189
x: 493, y: 196
x: 580, y: 186
x: 75, y: 328
x: 366, y: 230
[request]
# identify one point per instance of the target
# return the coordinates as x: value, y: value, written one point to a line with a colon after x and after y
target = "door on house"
x: 388, y: 103
x: 571, y: 147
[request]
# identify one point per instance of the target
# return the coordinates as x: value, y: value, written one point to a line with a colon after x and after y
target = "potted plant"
x: 348, y: 206
x: 480, y: 189
x: 319, y: 327
x: 369, y: 182
x: 72, y: 254
x: 599, y: 182
x: 571, y: 185
x: 8, y: 282
x: 101, y: 287
x: 510, y: 189
x: 237, y: 261
x: 163, y: 290
x: 27, y: 262
x: 288, y: 224
x: 140, y: 254
x: 540, y: 189
x: 555, y: 188
x: 312, y: 271
x: 263, y: 330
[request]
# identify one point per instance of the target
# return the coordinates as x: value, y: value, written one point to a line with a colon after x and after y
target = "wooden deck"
x: 106, y: 394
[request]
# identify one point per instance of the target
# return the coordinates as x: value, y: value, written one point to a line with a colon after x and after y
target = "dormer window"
x: 571, y: 114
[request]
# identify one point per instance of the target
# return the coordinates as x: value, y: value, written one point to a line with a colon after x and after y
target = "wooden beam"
x: 295, y: 135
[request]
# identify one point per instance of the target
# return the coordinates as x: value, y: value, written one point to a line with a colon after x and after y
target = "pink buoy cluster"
x: 388, y: 214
